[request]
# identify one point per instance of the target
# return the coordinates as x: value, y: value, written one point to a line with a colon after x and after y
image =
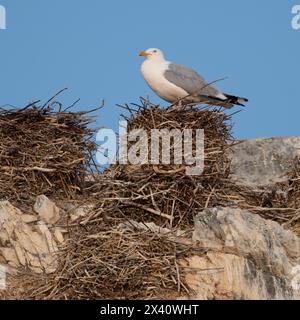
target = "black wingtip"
x: 236, y: 100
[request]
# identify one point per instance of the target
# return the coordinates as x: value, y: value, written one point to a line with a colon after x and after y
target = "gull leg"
x: 179, y: 105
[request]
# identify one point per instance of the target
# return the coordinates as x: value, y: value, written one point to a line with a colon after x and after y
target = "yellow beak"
x: 143, y: 54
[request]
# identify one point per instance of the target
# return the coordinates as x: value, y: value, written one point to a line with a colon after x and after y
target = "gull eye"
x: 154, y: 51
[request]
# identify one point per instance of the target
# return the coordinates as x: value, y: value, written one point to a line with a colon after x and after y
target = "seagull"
x: 174, y: 82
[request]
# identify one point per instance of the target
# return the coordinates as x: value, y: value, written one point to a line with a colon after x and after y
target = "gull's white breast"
x: 153, y: 73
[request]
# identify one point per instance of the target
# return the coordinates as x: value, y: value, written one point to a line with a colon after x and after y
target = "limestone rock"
x: 51, y: 244
x: 261, y: 162
x: 47, y: 210
x: 10, y: 256
x: 228, y: 276
x: 58, y: 234
x: 28, y: 218
x: 247, y: 257
x: 23, y: 245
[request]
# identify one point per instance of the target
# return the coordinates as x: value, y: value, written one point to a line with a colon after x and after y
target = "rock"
x: 227, y: 276
x: 10, y: 256
x: 47, y: 210
x: 20, y: 253
x: 58, y: 234
x: 23, y: 245
x: 263, y: 162
x: 28, y: 218
x: 247, y: 257
x: 52, y: 247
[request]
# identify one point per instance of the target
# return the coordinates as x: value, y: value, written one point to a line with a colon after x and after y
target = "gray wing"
x: 189, y: 80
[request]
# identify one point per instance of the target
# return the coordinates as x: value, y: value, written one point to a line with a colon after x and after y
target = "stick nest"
x: 165, y: 194
x: 43, y: 151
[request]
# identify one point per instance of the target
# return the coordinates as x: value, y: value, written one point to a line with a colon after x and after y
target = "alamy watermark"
x: 2, y: 277
x: 296, y: 278
x: 2, y: 18
x: 157, y: 146
x: 296, y: 17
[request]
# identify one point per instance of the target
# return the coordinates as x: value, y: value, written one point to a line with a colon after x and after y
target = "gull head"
x: 153, y: 54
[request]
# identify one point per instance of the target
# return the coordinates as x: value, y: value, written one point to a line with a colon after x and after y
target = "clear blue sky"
x: 92, y: 48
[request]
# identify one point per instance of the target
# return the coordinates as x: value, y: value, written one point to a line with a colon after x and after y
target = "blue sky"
x: 92, y: 48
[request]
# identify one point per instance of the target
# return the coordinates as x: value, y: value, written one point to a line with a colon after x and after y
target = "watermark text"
x: 2, y: 18
x: 296, y: 278
x: 296, y: 17
x: 154, y: 147
x: 2, y: 277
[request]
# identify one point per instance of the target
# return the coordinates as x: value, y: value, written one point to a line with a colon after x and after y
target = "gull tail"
x: 225, y: 100
x: 235, y: 100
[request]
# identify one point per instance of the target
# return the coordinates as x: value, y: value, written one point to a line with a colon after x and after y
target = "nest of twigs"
x: 101, y: 262
x: 43, y: 151
x: 166, y: 194
x: 293, y: 185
